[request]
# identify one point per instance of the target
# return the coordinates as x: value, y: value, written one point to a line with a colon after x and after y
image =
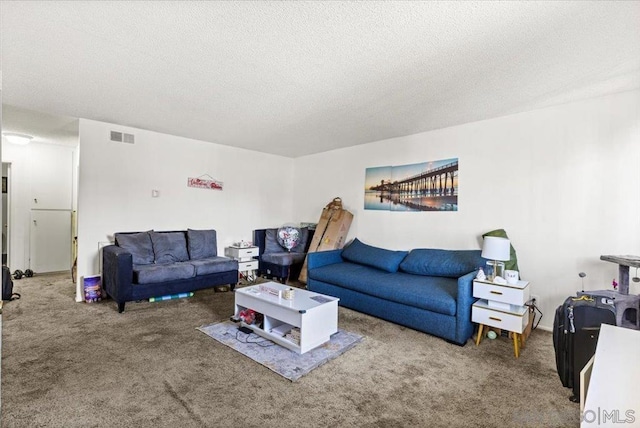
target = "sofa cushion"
x: 379, y: 258
x: 283, y: 259
x: 202, y: 244
x: 271, y: 244
x: 436, y: 294
x: 138, y: 244
x: 147, y: 274
x: 214, y: 265
x: 447, y: 263
x: 169, y: 247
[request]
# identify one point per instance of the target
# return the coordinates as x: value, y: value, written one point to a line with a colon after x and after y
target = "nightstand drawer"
x: 244, y: 266
x: 501, y: 293
x: 241, y: 253
x: 506, y: 321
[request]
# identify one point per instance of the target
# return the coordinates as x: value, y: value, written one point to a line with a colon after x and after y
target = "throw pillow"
x: 203, y: 244
x: 138, y: 244
x: 445, y: 263
x: 380, y: 258
x: 271, y: 244
x: 169, y: 247
x: 302, y: 244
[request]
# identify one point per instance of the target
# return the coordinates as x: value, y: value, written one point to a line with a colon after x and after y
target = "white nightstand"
x: 246, y: 263
x: 501, y: 306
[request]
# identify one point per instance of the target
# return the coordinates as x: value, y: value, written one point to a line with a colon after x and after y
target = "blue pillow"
x: 271, y: 244
x: 304, y: 237
x: 138, y: 244
x: 169, y: 247
x: 203, y: 244
x: 447, y: 263
x: 364, y: 254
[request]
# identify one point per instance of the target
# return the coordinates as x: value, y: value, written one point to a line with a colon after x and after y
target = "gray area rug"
x: 283, y: 361
x: 79, y: 365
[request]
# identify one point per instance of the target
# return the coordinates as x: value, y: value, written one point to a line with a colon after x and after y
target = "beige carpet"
x: 67, y: 364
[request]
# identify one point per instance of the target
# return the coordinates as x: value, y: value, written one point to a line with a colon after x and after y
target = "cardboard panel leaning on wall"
x: 562, y: 181
x: 117, y: 179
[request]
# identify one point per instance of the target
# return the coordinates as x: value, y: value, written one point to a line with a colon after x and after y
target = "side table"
x: 247, y: 265
x: 502, y: 306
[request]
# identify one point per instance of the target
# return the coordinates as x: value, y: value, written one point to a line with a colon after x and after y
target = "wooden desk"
x: 624, y: 262
x: 613, y: 388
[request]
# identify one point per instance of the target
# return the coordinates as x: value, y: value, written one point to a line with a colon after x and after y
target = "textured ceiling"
x: 296, y: 78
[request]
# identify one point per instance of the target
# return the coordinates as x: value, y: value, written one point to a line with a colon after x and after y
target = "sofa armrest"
x: 464, y: 301
x: 323, y: 258
x: 117, y: 273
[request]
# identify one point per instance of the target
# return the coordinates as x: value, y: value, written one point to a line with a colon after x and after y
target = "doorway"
x: 37, y: 207
x: 41, y: 183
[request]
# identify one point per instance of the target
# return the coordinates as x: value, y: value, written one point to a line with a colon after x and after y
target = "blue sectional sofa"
x: 152, y: 264
x: 429, y: 290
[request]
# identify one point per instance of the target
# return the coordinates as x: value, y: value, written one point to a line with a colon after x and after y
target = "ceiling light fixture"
x: 19, y: 139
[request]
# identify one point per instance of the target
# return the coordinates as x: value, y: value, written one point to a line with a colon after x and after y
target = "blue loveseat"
x: 152, y: 264
x: 429, y: 290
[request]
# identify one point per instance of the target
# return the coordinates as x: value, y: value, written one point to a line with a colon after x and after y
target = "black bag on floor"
x: 576, y: 327
x: 7, y: 285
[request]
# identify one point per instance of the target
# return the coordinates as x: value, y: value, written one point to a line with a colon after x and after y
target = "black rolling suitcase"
x: 576, y: 327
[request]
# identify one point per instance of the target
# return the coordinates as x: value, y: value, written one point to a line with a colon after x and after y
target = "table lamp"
x: 497, y: 251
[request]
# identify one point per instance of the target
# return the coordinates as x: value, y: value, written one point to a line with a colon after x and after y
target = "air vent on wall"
x: 122, y: 137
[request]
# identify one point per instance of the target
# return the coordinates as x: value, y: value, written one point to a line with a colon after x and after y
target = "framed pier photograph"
x: 426, y: 186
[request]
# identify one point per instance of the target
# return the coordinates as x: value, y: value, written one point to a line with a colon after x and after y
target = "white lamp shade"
x: 495, y: 248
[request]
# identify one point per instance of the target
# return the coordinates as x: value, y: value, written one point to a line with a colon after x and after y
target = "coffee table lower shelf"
x: 276, y: 338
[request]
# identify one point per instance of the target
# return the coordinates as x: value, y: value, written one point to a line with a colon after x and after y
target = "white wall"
x: 116, y: 181
x: 29, y: 179
x: 75, y: 165
x: 564, y: 182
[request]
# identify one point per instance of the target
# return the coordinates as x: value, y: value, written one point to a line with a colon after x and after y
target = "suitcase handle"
x: 583, y: 297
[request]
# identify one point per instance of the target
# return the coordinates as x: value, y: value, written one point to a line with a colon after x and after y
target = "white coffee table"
x: 314, y: 314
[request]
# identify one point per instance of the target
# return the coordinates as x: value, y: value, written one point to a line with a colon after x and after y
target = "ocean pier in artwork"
x: 432, y: 190
x: 436, y: 182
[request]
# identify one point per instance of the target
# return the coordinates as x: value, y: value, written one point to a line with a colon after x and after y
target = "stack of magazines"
x: 282, y: 329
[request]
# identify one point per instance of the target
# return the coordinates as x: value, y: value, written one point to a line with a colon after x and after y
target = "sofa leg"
x: 232, y: 287
x: 120, y: 307
x: 283, y: 280
x: 455, y: 343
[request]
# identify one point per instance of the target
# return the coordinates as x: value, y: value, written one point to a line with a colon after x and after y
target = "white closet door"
x: 50, y: 240
x: 51, y: 177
